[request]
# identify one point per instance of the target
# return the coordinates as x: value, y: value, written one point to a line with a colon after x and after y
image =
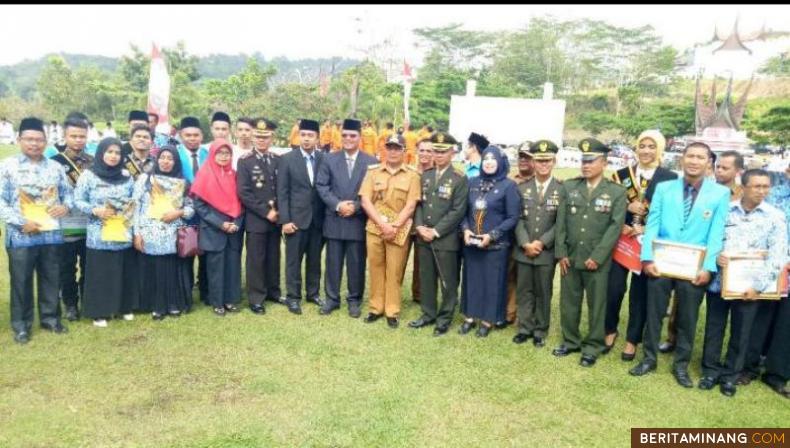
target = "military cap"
x: 308, y: 125
x: 543, y: 149
x: 264, y: 127
x: 138, y: 115
x: 478, y: 140
x: 524, y: 148
x: 31, y: 124
x: 442, y: 141
x: 189, y: 122
x: 395, y: 140
x: 592, y: 149
x: 220, y: 116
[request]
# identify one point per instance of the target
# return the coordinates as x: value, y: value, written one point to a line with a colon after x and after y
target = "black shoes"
x: 483, y: 330
x: 727, y: 389
x: 328, y: 308
x: 23, y: 337
x: 280, y: 300
x: 440, y: 330
x: 466, y: 327
x: 293, y: 307
x: 258, y: 308
x: 354, y: 310
x: 421, y: 322
x: 72, y: 314
x: 745, y: 378
x: 157, y: 316
x: 627, y: 357
x: 643, y: 368
x: 562, y: 350
x: 666, y: 347
x: 392, y: 322
x: 219, y: 311
x: 587, y: 361
x: 707, y: 383
x: 538, y: 341
x: 777, y: 386
x: 57, y: 328
x: 231, y: 308
x: 503, y: 324
x: 317, y: 300
x: 372, y: 317
x: 682, y: 377
x: 521, y: 338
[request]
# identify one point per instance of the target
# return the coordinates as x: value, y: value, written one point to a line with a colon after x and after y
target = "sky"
x: 318, y: 31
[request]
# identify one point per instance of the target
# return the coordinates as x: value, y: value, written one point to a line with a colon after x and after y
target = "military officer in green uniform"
x: 589, y: 220
x: 437, y: 220
x: 534, y: 253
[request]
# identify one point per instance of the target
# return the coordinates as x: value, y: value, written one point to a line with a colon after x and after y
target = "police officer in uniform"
x: 438, y: 216
x: 534, y: 253
x: 257, y: 187
x: 589, y: 220
x: 389, y: 195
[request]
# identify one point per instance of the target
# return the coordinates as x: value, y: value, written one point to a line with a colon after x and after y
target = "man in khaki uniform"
x: 389, y: 196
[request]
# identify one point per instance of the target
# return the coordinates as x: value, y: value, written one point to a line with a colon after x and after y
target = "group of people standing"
x: 495, y: 236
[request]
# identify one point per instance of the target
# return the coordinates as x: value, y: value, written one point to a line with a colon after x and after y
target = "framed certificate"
x: 744, y: 271
x: 677, y: 260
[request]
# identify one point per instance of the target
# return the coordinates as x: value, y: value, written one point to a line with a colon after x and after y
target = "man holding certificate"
x: 34, y: 195
x: 755, y: 247
x: 683, y: 237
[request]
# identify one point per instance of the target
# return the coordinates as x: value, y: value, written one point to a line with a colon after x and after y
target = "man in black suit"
x: 302, y: 216
x: 257, y: 186
x: 338, y: 182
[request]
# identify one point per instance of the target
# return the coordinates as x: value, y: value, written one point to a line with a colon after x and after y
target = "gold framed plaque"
x: 741, y: 273
x: 677, y: 260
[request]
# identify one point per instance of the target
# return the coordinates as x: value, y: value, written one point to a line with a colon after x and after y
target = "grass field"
x: 310, y: 380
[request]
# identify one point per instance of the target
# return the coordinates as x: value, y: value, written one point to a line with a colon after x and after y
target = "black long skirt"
x: 162, y: 289
x: 112, y: 283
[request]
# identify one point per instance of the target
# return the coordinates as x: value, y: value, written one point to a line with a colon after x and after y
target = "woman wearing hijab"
x: 162, y: 206
x: 111, y: 272
x: 494, y: 207
x: 221, y: 216
x: 640, y: 181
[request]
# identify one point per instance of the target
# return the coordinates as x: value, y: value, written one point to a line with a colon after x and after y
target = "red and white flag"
x: 159, y: 88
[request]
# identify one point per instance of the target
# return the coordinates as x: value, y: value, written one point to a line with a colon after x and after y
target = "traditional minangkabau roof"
x: 725, y: 115
x: 733, y: 42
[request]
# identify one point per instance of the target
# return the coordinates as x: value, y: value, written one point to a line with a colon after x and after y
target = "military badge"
x: 586, y: 146
x: 707, y: 214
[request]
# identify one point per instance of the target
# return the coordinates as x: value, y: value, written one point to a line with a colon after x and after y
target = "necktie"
x: 688, y: 198
x: 540, y: 193
x: 194, y: 163
x: 310, y: 166
x: 350, y: 166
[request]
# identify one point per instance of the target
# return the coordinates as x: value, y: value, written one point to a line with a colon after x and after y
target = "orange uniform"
x: 369, y: 140
x: 383, y: 137
x: 410, y: 139
x: 337, y: 139
x: 325, y: 137
x: 294, y: 139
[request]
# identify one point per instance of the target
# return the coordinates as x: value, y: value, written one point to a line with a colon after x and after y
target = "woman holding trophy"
x: 494, y: 207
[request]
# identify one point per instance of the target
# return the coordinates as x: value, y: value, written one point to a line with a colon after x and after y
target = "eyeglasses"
x: 349, y: 135
x: 33, y: 140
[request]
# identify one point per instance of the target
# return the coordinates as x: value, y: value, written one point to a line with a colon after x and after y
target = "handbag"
x: 187, y: 242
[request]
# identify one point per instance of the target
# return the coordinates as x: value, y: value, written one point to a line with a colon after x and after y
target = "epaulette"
x: 374, y: 166
x: 458, y: 172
